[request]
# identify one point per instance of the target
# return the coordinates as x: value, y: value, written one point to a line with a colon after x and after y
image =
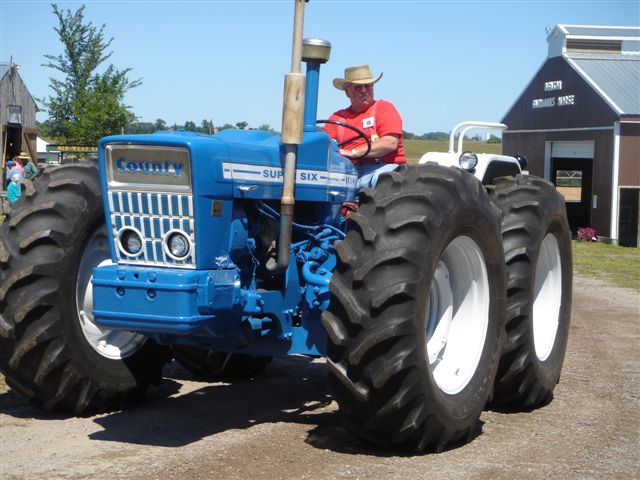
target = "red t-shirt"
x: 378, y: 120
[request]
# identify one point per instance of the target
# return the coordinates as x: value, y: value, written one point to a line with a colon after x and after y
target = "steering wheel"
x: 359, y: 134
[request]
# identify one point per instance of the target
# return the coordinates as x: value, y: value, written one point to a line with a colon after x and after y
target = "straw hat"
x: 359, y: 75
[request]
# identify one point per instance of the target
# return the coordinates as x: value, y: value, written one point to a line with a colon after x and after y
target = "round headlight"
x: 131, y: 242
x: 468, y: 160
x: 178, y: 245
x: 522, y: 160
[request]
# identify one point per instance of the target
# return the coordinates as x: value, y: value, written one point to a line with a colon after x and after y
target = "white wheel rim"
x: 111, y: 344
x: 458, y: 315
x: 547, y: 297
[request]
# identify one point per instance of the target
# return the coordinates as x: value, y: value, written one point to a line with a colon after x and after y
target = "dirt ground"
x: 283, y: 425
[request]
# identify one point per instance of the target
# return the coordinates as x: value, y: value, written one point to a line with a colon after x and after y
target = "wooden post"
x: 32, y: 154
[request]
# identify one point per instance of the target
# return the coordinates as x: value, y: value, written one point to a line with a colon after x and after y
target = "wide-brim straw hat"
x: 358, y: 75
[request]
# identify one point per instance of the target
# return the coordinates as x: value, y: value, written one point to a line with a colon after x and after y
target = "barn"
x: 578, y: 123
x: 18, y: 109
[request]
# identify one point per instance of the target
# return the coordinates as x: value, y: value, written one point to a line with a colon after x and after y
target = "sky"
x: 443, y: 62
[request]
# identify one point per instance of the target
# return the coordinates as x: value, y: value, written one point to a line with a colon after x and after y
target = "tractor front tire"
x: 212, y: 365
x: 416, y: 317
x: 537, y: 246
x: 51, y: 351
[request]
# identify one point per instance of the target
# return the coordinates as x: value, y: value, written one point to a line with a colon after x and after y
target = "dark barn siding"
x: 532, y: 145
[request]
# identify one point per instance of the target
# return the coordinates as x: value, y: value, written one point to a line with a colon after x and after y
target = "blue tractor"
x: 440, y: 291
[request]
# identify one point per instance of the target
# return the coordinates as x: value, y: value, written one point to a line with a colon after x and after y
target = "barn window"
x: 14, y: 114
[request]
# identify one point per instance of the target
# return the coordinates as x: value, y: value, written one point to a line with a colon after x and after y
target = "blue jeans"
x: 368, y: 173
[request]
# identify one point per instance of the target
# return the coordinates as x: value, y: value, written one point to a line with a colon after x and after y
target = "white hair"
x: 15, y: 177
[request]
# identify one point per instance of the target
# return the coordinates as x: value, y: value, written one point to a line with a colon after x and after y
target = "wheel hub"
x: 458, y: 315
x: 547, y: 297
x: 111, y: 344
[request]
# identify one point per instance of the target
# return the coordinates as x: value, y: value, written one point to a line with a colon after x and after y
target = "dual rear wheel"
x: 444, y: 297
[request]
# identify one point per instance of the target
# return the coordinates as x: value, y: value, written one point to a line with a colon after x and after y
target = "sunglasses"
x: 359, y: 86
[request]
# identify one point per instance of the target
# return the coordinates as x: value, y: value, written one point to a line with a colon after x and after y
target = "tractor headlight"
x: 177, y: 245
x: 522, y: 161
x: 130, y: 242
x: 468, y: 160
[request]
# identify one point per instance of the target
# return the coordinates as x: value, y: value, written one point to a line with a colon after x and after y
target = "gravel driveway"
x: 283, y: 425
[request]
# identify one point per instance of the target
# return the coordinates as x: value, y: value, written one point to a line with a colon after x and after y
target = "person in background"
x: 13, y: 190
x: 378, y: 119
x: 18, y: 164
x: 30, y: 171
x: 12, y: 168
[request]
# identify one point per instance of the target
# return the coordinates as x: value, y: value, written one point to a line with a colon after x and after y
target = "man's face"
x: 361, y: 96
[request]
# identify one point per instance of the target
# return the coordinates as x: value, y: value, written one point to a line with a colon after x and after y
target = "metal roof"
x: 615, y: 77
x: 600, y: 31
x: 4, y: 68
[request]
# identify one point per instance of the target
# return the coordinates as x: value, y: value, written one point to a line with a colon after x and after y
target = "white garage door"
x: 582, y: 149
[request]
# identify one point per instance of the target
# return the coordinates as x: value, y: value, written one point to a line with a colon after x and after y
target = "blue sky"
x: 443, y: 61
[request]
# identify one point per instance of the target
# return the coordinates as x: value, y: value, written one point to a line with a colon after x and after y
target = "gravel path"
x: 283, y: 425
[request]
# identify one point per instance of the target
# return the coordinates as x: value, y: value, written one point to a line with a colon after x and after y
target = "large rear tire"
x: 51, y: 351
x: 537, y: 246
x: 416, y: 316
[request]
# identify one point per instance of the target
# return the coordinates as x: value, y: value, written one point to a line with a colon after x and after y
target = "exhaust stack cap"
x: 315, y: 50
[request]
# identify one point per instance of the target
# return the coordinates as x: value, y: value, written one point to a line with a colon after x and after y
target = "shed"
x: 578, y: 123
x: 18, y: 109
x: 17, y: 114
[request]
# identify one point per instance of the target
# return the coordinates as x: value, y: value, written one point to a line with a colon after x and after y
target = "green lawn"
x: 414, y: 149
x: 618, y: 265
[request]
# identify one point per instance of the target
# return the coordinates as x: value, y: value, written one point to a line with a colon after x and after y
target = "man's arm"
x: 381, y: 147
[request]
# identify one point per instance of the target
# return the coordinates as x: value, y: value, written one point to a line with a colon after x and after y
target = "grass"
x: 617, y: 265
x: 414, y: 149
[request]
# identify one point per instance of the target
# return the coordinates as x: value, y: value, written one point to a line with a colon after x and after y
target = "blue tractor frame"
x: 213, y: 298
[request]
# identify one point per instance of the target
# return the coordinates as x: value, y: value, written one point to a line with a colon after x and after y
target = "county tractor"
x: 443, y: 288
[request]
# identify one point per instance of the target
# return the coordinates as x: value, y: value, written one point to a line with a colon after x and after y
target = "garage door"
x: 572, y: 149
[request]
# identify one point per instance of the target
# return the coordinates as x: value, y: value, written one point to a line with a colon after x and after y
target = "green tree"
x: 85, y: 105
x: 494, y: 139
x: 160, y: 124
x: 190, y: 126
x: 206, y: 127
x: 242, y: 125
x: 408, y: 135
x: 267, y: 128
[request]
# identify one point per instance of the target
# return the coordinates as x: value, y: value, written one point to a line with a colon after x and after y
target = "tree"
x: 190, y: 126
x: 494, y: 139
x: 242, y: 125
x: 85, y: 105
x: 206, y: 127
x: 267, y: 128
x: 140, y: 127
x: 408, y: 135
x: 160, y: 124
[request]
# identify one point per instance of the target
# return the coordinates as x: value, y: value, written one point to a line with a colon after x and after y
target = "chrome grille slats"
x: 153, y: 214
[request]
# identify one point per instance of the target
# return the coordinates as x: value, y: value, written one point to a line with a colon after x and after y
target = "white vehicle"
x: 484, y: 166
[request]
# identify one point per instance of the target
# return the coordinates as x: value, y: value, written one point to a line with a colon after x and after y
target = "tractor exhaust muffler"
x: 292, y: 130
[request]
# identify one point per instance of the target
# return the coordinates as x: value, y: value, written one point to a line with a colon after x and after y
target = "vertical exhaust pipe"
x: 315, y: 52
x: 292, y: 129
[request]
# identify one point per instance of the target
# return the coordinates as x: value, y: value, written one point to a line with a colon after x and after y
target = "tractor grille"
x: 153, y: 215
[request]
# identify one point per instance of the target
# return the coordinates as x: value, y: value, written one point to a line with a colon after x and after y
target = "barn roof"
x: 616, y: 78
x: 599, y: 31
x: 4, y: 68
x: 606, y: 57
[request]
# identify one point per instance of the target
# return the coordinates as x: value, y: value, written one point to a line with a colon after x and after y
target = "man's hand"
x: 379, y: 148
